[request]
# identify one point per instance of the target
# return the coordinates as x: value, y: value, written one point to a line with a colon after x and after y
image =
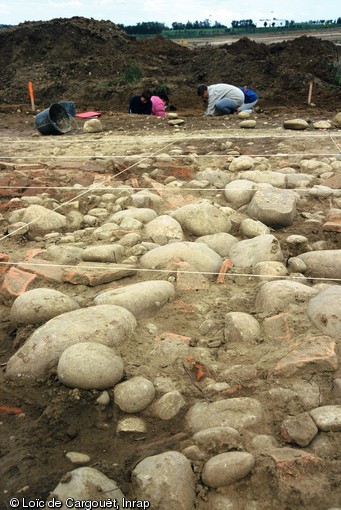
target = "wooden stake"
x: 310, y: 93
x: 30, y: 89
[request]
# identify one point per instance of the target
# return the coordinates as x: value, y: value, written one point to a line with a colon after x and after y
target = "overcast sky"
x: 131, y: 12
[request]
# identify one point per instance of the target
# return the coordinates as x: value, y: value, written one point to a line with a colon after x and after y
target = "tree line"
x: 155, y: 27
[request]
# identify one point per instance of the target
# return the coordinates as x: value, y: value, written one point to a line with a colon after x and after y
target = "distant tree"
x: 338, y: 21
x: 218, y: 25
x: 265, y: 24
x: 243, y: 23
x: 196, y: 25
x: 146, y: 27
x: 178, y: 26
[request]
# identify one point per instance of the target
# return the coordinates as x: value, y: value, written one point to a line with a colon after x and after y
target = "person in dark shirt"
x: 141, y: 103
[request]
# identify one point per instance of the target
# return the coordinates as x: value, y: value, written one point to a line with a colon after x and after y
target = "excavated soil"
x: 86, y: 61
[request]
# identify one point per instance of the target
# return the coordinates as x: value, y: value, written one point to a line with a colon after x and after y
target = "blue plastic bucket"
x: 69, y: 106
x: 53, y: 121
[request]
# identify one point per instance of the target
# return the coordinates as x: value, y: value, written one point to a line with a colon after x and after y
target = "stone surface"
x: 216, y: 437
x: 41, y: 220
x: 240, y: 164
x: 134, y: 395
x: 202, y: 219
x: 322, y: 263
x: 142, y: 299
x: 86, y: 484
x: 250, y: 252
x: 131, y: 425
x: 220, y: 243
x: 106, y: 324
x: 241, y: 327
x: 239, y: 192
x: 103, y: 253
x: 226, y: 468
x: 198, y: 255
x: 237, y: 413
x: 273, y: 207
x: 300, y: 429
x: 142, y: 214
x: 40, y: 305
x: 327, y: 418
x: 271, y: 270
x: 296, y: 124
x: 252, y: 228
x: 324, y: 310
x: 248, y: 124
x: 169, y: 405
x: 164, y: 225
x: 93, y: 126
x: 89, y: 365
x: 78, y: 458
x: 276, y: 296
x: 166, y: 481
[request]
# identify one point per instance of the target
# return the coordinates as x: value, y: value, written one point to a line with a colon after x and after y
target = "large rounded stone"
x: 93, y: 126
x: 41, y: 220
x: 202, y: 219
x: 134, y: 395
x: 89, y: 365
x: 239, y: 192
x: 217, y: 437
x: 220, y: 243
x: 296, y: 124
x: 226, y: 468
x: 197, y: 255
x: 237, y: 413
x: 273, y: 207
x: 241, y: 327
x: 323, y: 263
x: 276, y: 296
x: 40, y: 305
x: 106, y: 324
x: 327, y: 418
x: 250, y: 252
x: 142, y: 214
x: 141, y: 299
x: 166, y: 481
x: 164, y: 225
x: 103, y: 253
x: 86, y: 484
x: 324, y: 310
x: 241, y: 163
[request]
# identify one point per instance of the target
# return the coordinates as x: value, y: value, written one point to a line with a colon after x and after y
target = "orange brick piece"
x: 314, y: 353
x: 16, y: 281
x: 292, y: 464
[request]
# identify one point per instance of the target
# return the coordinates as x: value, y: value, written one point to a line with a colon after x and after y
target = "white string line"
x: 170, y: 189
x: 66, y: 140
x: 94, y: 187
x: 81, y: 194
x: 180, y: 156
x: 176, y: 271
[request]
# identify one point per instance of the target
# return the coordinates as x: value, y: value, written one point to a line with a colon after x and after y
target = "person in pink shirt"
x: 159, y: 102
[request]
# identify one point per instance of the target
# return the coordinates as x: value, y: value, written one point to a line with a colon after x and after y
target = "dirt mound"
x: 96, y: 64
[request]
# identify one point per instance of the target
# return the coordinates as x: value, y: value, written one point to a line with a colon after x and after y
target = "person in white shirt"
x: 222, y: 98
